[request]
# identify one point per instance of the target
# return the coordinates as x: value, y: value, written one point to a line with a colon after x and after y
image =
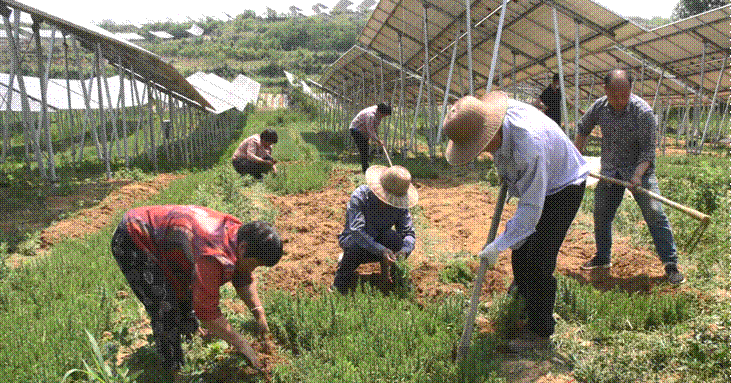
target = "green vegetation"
x: 457, y: 271
x: 260, y: 48
x: 602, y: 336
x: 611, y: 311
x: 299, y: 177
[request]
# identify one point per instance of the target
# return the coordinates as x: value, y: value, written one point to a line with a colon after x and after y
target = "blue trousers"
x: 607, y: 199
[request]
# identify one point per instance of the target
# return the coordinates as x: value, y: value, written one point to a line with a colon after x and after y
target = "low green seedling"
x: 457, y: 271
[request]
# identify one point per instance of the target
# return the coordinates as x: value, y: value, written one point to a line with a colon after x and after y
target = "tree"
x: 688, y: 8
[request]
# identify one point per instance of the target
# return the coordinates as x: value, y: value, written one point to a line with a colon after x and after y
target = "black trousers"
x: 356, y: 256
x: 361, y: 141
x: 244, y: 166
x: 169, y: 318
x: 535, y: 261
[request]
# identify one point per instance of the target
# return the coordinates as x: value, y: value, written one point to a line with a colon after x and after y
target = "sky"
x: 142, y: 11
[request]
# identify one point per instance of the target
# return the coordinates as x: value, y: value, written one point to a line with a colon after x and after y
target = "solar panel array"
x: 63, y: 94
x: 224, y: 95
x: 145, y: 64
x: 527, y: 51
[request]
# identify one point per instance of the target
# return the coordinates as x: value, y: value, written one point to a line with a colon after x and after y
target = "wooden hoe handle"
x: 687, y: 210
x: 469, y: 322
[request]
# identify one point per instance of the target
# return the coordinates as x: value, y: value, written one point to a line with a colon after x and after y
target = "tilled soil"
x: 452, y: 221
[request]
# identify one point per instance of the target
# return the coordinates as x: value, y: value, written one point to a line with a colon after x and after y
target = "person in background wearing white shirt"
x: 365, y: 126
x: 544, y: 170
x: 254, y: 154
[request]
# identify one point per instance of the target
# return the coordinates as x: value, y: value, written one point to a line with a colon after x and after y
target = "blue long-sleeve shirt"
x: 536, y: 159
x: 366, y: 218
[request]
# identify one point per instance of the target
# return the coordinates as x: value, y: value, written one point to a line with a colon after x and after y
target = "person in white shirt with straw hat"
x: 540, y: 166
x: 378, y: 224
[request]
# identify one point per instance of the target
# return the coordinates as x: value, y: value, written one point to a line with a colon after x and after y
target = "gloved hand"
x: 490, y: 254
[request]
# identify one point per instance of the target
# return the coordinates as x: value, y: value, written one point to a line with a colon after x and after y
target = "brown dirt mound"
x: 455, y: 223
x: 92, y: 219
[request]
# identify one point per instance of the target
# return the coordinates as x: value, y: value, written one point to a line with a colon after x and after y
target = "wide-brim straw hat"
x: 392, y: 185
x: 471, y: 123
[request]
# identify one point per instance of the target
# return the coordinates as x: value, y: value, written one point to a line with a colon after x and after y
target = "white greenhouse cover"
x: 290, y: 78
x: 234, y: 97
x: 131, y: 36
x: 15, y: 104
x: 195, y: 30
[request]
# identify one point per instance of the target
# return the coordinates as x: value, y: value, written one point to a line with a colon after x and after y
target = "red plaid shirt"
x: 213, y: 243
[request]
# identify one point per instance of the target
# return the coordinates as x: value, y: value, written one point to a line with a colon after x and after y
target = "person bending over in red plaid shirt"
x: 176, y: 258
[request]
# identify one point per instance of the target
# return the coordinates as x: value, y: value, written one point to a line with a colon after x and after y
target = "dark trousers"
x: 169, y: 318
x: 356, y: 256
x: 535, y: 261
x: 361, y: 141
x: 244, y: 166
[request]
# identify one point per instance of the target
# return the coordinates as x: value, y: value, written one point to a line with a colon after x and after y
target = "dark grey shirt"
x: 628, y: 136
x: 366, y: 219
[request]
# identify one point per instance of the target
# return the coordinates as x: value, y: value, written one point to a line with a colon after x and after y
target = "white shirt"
x: 536, y: 159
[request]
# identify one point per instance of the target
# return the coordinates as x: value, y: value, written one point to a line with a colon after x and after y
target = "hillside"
x: 258, y: 47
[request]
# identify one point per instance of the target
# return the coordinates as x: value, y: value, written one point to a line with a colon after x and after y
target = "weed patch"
x: 299, y: 177
x: 609, y: 311
x: 368, y: 337
x: 457, y: 271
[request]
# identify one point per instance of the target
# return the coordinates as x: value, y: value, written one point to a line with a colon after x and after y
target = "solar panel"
x: 527, y: 43
x: 195, y: 30
x: 246, y: 88
x: 161, y: 34
x: 145, y: 64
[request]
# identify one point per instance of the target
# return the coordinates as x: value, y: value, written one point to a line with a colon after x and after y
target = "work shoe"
x: 596, y: 263
x: 528, y: 340
x: 674, y: 275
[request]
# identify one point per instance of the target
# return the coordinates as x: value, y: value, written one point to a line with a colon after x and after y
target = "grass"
x: 299, y: 177
x: 368, y: 337
x: 457, y: 271
x: 610, y: 336
x: 611, y: 311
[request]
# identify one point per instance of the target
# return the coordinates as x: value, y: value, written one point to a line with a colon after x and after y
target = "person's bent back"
x: 175, y: 259
x: 254, y: 154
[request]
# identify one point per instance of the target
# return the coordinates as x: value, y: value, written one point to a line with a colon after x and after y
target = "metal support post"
x: 496, y: 46
x: 102, y: 117
x: 447, y: 88
x: 713, y: 101
x: 575, y: 128
x: 560, y: 65
x: 468, y: 16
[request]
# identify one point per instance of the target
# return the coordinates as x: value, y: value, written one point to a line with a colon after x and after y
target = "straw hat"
x: 392, y: 185
x: 470, y: 125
